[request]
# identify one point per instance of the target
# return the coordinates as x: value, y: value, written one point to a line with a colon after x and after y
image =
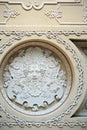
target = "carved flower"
x: 54, y: 13
x: 9, y: 13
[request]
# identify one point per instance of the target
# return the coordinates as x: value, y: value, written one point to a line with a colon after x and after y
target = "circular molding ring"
x: 36, y: 80
x: 70, y: 64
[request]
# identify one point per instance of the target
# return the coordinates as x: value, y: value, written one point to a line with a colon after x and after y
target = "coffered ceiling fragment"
x: 57, y: 13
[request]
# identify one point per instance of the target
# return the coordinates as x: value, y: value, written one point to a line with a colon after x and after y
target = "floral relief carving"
x: 55, y: 121
x: 9, y: 13
x: 57, y: 15
x: 16, y: 35
x: 34, y: 78
x: 37, y: 5
x: 54, y: 13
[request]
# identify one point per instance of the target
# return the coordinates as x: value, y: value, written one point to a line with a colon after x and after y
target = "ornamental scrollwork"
x: 22, y: 123
x: 9, y: 13
x: 35, y: 78
x: 55, y: 121
x: 17, y: 35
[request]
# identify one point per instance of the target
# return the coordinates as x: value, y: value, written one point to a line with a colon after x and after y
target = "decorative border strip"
x: 55, y: 120
x: 53, y: 13
x: 38, y: 5
x: 23, y: 123
x: 76, y: 32
x: 17, y: 35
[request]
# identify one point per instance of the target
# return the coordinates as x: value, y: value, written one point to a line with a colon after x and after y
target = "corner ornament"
x: 54, y: 13
x: 7, y: 14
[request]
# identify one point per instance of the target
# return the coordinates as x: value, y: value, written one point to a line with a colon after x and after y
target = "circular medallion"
x: 36, y: 80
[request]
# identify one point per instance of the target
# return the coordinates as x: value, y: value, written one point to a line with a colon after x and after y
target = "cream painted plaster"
x: 56, y: 33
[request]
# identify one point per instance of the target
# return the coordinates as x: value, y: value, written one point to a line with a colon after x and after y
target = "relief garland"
x: 55, y: 120
x: 17, y: 35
